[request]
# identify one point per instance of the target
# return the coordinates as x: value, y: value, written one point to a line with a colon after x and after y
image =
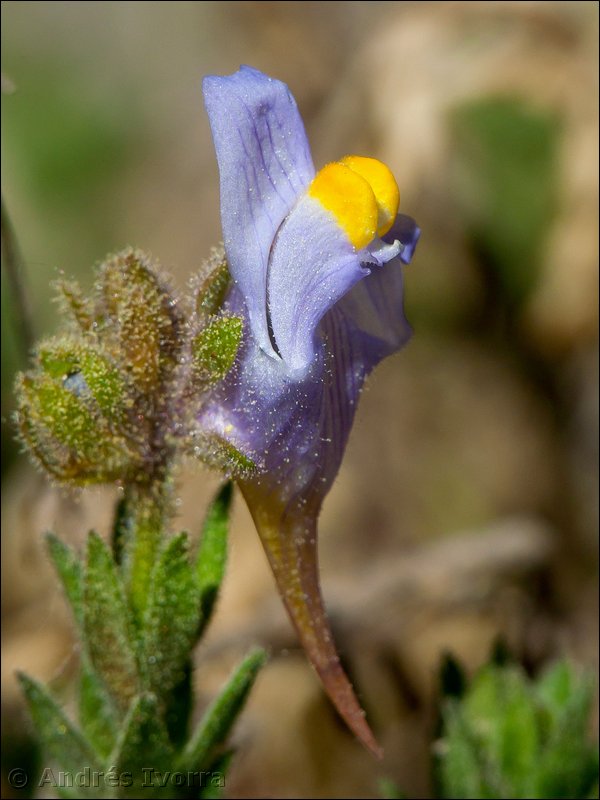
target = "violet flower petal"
x: 407, y: 232
x: 312, y: 265
x: 373, y: 309
x: 264, y: 165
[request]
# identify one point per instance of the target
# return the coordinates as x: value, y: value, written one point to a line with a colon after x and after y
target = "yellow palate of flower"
x: 361, y: 193
x: 384, y: 186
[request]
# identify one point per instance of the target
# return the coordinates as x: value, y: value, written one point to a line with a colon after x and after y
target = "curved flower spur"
x: 316, y: 260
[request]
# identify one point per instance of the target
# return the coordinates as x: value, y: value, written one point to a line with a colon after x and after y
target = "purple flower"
x: 316, y: 260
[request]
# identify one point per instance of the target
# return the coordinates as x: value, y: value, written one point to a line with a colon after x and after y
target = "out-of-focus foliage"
x: 506, y: 153
x: 510, y: 736
x: 80, y: 145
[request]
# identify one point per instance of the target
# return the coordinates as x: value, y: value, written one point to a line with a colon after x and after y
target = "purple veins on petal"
x: 264, y: 165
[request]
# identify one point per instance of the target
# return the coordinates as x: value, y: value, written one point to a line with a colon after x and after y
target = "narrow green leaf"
x: 567, y: 767
x: 463, y: 770
x: 178, y: 707
x: 212, y: 553
x: 62, y: 742
x: 215, y: 725
x: 213, y: 786
x: 171, y: 618
x: 557, y: 687
x: 503, y: 699
x: 97, y: 714
x: 143, y: 750
x: 568, y: 763
x: 214, y: 349
x: 106, y: 625
x: 70, y: 572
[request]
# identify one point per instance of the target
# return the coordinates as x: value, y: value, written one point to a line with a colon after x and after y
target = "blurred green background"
x: 467, y: 506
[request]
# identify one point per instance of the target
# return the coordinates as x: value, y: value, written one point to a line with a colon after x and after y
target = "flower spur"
x: 316, y: 260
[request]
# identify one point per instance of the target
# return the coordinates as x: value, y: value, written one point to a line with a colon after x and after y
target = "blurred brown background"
x: 467, y: 505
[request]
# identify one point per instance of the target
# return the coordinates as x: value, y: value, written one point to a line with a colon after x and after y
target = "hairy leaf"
x: 63, y: 743
x: 215, y: 725
x: 171, y: 618
x: 143, y: 749
x: 70, y: 572
x: 108, y: 638
x: 212, y: 553
x: 97, y: 715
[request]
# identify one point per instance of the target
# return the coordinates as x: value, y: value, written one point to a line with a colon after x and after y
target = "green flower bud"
x: 215, y: 347
x: 217, y: 453
x: 79, y: 308
x: 86, y: 373
x: 141, y: 322
x: 212, y: 290
x: 66, y: 432
x: 116, y: 397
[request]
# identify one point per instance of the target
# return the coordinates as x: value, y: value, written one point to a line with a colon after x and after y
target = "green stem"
x: 139, y: 531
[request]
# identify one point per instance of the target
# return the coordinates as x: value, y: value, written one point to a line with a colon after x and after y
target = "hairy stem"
x: 143, y: 517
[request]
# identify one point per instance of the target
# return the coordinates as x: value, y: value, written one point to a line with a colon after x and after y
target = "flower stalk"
x: 143, y: 520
